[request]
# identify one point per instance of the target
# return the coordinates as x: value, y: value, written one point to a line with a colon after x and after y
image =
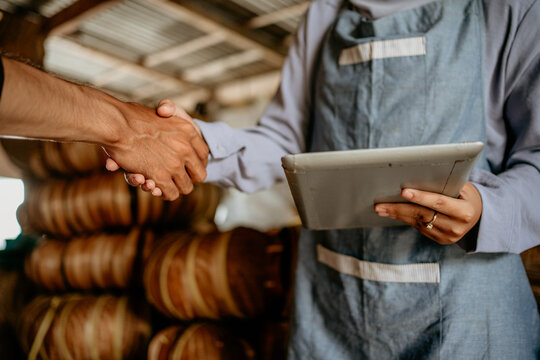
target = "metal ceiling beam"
x: 234, y: 92
x: 183, y: 49
x: 221, y: 65
x: 111, y: 75
x: 278, y: 15
x: 116, y: 62
x: 249, y: 89
x: 153, y: 89
x: 210, y: 26
x: 190, y: 99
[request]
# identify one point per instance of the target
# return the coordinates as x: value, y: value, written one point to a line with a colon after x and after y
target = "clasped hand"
x: 167, y: 152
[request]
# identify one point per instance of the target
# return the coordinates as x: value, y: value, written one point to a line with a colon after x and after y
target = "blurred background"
x: 91, y: 268
x: 82, y: 250
x: 220, y: 60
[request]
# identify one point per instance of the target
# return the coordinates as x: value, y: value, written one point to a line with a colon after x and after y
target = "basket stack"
x: 531, y: 261
x: 239, y: 278
x: 64, y: 208
x: 110, y: 255
x: 198, y: 341
x: 84, y: 327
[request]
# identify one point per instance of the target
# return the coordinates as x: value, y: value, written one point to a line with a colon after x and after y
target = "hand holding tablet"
x: 338, y: 189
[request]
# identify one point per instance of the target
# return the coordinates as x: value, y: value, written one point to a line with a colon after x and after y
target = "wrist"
x: 110, y: 122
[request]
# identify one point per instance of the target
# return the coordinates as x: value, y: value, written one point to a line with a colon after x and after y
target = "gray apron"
x: 410, y: 78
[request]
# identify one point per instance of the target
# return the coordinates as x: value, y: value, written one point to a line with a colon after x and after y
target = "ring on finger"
x: 429, y: 225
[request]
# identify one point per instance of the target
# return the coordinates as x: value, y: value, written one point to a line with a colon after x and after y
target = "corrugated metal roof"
x: 137, y: 28
x: 197, y: 58
x: 70, y: 64
x: 129, y: 31
x: 238, y: 73
x: 261, y: 7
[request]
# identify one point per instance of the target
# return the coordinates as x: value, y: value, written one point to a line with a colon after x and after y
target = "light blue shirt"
x: 249, y: 159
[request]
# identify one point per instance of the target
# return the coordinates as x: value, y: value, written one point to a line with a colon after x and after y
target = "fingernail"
x: 381, y: 211
x: 407, y: 194
x: 166, y: 106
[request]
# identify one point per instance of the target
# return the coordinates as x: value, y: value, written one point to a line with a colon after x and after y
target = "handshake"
x: 162, y: 151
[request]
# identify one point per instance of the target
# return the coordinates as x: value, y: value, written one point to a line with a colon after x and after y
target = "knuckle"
x: 468, y: 216
x: 161, y: 177
x: 185, y: 185
x: 183, y: 148
x: 188, y: 188
x: 204, y: 174
x: 199, y: 175
x: 171, y: 194
x: 177, y: 166
x: 455, y: 232
x: 440, y: 202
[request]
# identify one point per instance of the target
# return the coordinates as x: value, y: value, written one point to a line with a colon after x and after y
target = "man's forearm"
x: 31, y: 98
x: 168, y: 150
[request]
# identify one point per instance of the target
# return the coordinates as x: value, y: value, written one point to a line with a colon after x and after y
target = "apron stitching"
x: 379, y: 272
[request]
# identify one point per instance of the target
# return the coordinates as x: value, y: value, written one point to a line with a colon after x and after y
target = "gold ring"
x: 429, y: 225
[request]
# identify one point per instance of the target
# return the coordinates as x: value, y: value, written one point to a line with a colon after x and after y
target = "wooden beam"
x: 221, y: 65
x: 116, y: 62
x: 21, y: 36
x: 190, y: 99
x: 183, y: 49
x: 234, y: 92
x: 152, y: 89
x: 70, y: 18
x: 278, y: 15
x: 249, y: 89
x: 211, y: 26
x: 111, y: 75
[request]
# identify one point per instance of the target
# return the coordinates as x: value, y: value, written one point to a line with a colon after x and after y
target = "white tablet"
x: 338, y: 189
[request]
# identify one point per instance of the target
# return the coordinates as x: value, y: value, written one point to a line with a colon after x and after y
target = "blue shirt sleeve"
x: 511, y: 192
x: 250, y: 159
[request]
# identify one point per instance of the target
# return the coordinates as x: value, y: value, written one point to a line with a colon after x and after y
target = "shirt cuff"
x: 220, y: 138
x: 498, y: 216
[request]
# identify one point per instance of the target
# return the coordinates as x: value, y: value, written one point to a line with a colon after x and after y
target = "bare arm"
x: 169, y: 150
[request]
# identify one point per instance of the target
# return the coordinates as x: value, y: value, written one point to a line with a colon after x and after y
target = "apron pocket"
x: 385, y: 310
x: 409, y: 273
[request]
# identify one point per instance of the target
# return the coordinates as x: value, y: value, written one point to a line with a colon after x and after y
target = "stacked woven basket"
x: 111, y: 255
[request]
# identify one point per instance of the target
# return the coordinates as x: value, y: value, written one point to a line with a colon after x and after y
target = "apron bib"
x: 407, y: 79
